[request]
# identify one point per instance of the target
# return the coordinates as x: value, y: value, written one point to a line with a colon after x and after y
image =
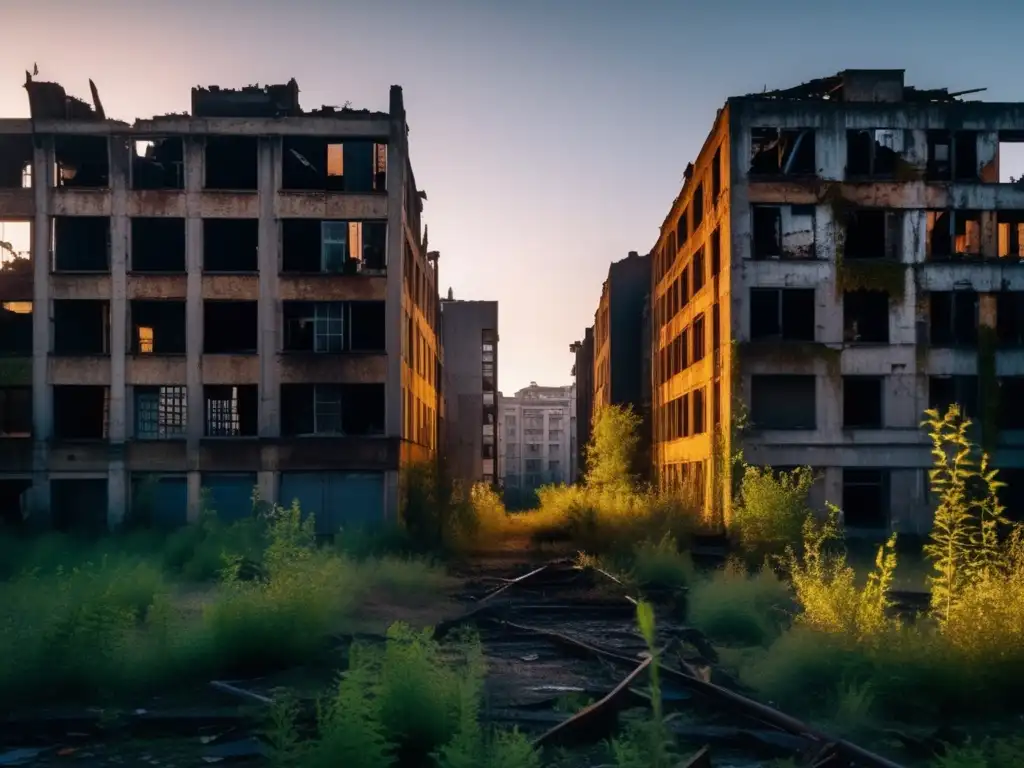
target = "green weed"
x: 733, y: 606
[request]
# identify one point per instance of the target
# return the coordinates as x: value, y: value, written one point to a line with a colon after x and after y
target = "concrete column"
x: 194, y: 320
x: 268, y: 346
x: 120, y: 245
x: 42, y: 400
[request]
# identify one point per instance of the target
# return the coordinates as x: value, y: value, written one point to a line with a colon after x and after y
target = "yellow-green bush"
x: 772, y: 509
x: 734, y: 606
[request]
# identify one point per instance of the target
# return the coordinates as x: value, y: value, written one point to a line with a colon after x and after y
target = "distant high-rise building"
x: 537, y: 436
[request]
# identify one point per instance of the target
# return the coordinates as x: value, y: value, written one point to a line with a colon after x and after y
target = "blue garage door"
x: 337, y: 499
x: 229, y: 494
x: 160, y: 500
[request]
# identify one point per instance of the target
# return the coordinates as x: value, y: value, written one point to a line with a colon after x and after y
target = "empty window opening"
x: 782, y: 151
x: 953, y: 318
x: 1011, y: 395
x: 866, y: 317
x: 785, y: 232
x: 332, y: 409
x: 874, y: 152
x: 159, y: 500
x: 944, y: 391
x: 15, y: 411
x: 15, y: 327
x: 783, y: 401
x: 716, y: 175
x: 231, y: 162
x: 716, y: 252
x: 339, y: 247
x: 1010, y: 230
x: 158, y: 245
x: 334, y: 165
x: 782, y: 313
x: 231, y: 245
x: 231, y: 411
x: 367, y: 326
x: 698, y: 206
x: 158, y: 327
x: 1011, y: 157
x: 80, y: 412
x: 160, y: 412
x: 873, y: 234
x: 79, y: 506
x: 81, y: 244
x: 862, y: 402
x: 81, y: 327
x: 952, y: 156
x: 16, y: 161
x: 699, y: 422
x: 81, y: 161
x: 682, y: 233
x: 230, y: 327
x: 14, y: 501
x: 1010, y: 318
x: 699, y: 270
x: 1011, y: 495
x: 16, y: 266
x: 716, y: 326
x: 699, y: 341
x: 158, y: 164
x: 866, y: 498
x: 954, y: 234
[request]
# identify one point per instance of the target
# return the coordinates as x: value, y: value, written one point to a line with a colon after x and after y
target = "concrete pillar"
x: 42, y: 400
x: 194, y: 320
x: 269, y: 181
x: 266, y: 482
x: 120, y: 246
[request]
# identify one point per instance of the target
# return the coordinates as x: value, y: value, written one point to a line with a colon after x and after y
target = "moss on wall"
x: 888, y: 276
x: 794, y: 353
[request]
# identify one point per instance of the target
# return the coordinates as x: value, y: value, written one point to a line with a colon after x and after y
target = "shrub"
x: 661, y: 564
x: 200, y: 551
x: 612, y: 451
x: 772, y: 509
x: 734, y: 606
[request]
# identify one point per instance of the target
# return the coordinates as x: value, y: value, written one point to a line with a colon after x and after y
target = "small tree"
x: 772, y: 509
x: 612, y: 448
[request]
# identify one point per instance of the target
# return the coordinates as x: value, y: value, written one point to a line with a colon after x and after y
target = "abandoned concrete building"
x: 843, y: 255
x: 210, y: 303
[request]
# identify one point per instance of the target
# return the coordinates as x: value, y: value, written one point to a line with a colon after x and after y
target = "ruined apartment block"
x: 198, y: 305
x: 843, y: 255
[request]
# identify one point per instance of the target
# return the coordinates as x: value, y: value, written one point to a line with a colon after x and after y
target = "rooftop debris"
x: 831, y: 89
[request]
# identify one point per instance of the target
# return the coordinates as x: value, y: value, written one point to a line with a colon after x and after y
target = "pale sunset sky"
x: 551, y: 137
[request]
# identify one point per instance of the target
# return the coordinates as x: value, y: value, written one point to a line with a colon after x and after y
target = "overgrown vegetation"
x: 117, y: 622
x: 771, y: 509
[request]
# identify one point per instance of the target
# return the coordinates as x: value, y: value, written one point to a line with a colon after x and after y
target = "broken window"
x: 158, y: 327
x: 15, y: 327
x: 81, y: 161
x: 346, y: 247
x: 16, y: 155
x: 158, y: 245
x: 158, y: 164
x: 698, y: 269
x: 80, y: 412
x: 953, y: 317
x: 866, y: 317
x: 682, y: 232
x: 954, y: 234
x: 15, y: 411
x: 231, y: 411
x: 785, y: 232
x: 1010, y: 228
x: 952, y: 156
x: 231, y: 245
x: 944, y: 391
x: 716, y: 252
x: 783, y: 401
x: 873, y: 234
x: 231, y: 162
x: 866, y: 498
x: 356, y: 326
x: 332, y: 409
x: 1010, y: 157
x: 874, y: 152
x: 862, y: 402
x: 1010, y: 318
x: 81, y: 327
x: 698, y: 338
x: 782, y: 151
x: 698, y: 206
x: 160, y: 412
x: 81, y: 243
x: 716, y: 175
x: 331, y: 164
x: 699, y: 422
x: 230, y: 327
x: 782, y: 313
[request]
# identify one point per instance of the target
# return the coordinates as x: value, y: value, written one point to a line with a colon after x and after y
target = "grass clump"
x: 736, y: 607
x: 662, y: 564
